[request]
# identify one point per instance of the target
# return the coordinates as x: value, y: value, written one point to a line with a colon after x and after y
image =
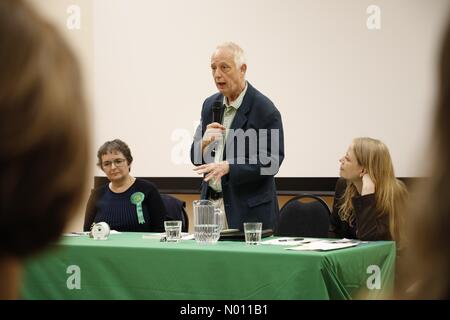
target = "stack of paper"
x: 289, y: 241
x: 326, y: 245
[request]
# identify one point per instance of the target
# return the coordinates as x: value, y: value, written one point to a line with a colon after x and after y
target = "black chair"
x: 176, y: 210
x: 304, y: 219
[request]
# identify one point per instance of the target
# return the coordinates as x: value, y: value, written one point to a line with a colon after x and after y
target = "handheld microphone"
x: 217, y: 111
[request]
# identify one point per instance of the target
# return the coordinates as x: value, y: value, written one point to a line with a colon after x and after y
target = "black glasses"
x: 117, y: 162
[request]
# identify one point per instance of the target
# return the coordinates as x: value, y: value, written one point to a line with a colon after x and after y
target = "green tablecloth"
x: 126, y: 266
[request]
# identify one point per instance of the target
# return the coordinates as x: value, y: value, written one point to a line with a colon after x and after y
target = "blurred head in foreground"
x: 427, y: 267
x: 43, y: 137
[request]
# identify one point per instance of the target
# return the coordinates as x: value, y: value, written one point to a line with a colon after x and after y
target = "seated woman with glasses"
x: 369, y: 200
x: 125, y: 203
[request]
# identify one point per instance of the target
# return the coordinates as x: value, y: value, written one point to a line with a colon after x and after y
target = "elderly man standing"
x: 239, y: 144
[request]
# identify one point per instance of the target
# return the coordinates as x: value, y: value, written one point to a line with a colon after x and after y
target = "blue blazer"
x: 249, y: 195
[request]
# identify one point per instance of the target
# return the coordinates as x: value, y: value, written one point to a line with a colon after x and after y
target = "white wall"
x: 59, y: 12
x: 331, y: 78
x: 147, y: 68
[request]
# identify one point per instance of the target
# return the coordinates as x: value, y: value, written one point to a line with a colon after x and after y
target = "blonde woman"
x: 369, y: 199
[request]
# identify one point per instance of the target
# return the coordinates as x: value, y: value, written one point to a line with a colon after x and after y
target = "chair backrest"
x: 304, y: 219
x: 176, y: 210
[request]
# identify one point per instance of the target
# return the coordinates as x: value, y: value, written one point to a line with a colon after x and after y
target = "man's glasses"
x: 117, y: 163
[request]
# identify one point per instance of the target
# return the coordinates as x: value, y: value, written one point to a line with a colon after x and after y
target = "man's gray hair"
x: 238, y: 53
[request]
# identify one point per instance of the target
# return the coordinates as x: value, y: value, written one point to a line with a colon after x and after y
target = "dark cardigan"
x: 119, y: 212
x: 368, y: 224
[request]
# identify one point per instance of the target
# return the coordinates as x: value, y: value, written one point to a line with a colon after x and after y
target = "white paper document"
x: 325, y: 245
x: 289, y: 241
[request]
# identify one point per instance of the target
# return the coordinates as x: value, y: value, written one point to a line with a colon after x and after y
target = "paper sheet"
x: 325, y: 245
x: 289, y: 241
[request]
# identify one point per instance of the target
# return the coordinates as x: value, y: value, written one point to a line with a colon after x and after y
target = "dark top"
x: 120, y: 213
x: 249, y: 191
x: 368, y: 223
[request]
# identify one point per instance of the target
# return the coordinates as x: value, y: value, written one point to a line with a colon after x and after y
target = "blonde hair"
x: 390, y: 193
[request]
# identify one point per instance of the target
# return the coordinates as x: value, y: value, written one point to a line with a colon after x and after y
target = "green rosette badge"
x: 137, y: 198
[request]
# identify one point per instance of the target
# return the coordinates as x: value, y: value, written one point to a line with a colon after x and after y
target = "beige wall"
x: 331, y: 77
x: 81, y: 40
